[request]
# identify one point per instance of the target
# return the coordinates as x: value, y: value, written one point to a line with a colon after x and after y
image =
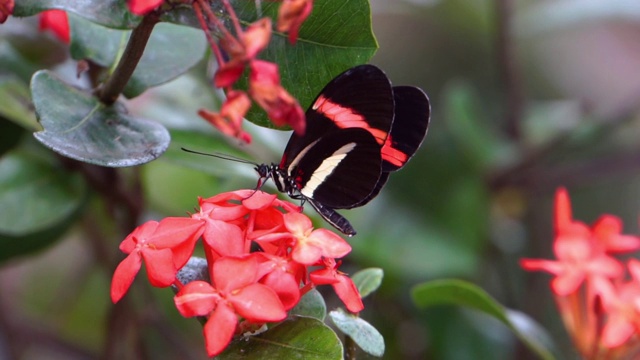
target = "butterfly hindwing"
x: 410, y: 124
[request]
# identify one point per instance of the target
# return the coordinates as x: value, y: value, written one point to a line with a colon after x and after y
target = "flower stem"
x: 350, y: 348
x: 113, y: 87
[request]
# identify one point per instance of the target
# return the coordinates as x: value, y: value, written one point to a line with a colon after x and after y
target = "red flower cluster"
x: 247, y: 288
x: 242, y: 50
x: 600, y: 306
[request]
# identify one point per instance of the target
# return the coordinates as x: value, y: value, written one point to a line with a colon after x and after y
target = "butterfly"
x: 359, y: 130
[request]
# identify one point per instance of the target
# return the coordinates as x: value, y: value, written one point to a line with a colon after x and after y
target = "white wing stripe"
x: 325, y: 169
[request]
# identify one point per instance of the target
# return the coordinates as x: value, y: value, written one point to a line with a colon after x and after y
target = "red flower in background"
x: 291, y: 15
x: 57, y: 22
x: 265, y: 89
x: 6, y: 9
x: 600, y: 309
x: 229, y: 120
x: 141, y: 7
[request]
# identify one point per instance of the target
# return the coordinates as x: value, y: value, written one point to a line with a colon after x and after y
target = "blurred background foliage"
x: 526, y: 96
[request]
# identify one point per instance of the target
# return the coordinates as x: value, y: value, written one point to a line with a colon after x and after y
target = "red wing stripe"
x: 393, y: 155
x: 345, y: 117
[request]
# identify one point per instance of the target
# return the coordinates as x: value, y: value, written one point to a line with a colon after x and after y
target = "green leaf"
x: 15, y: 103
x: 78, y: 126
x: 457, y: 292
x: 111, y: 13
x: 368, y: 280
x: 170, y: 52
x: 481, y: 146
x: 365, y: 335
x: 311, y: 305
x: 38, y: 202
x: 296, y: 338
x: 335, y: 37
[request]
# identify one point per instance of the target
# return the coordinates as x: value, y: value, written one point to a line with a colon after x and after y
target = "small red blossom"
x: 265, y: 89
x: 234, y: 292
x: 600, y: 309
x: 142, y: 7
x: 242, y: 51
x: 57, y: 22
x: 6, y: 9
x: 165, y: 247
x: 312, y: 244
x: 229, y: 120
x: 342, y: 284
x: 291, y: 15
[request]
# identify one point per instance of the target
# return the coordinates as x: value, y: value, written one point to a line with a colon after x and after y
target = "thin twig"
x: 509, y: 70
x: 113, y: 87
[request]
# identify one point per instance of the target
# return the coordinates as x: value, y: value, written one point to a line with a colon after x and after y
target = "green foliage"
x: 461, y: 293
x: 79, y: 126
x: 295, y: 338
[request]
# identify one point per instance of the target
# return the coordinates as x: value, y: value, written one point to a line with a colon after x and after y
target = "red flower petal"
x: 562, y: 209
x: 219, y: 329
x: 617, y: 331
x: 230, y: 274
x: 256, y: 37
x: 57, y: 22
x: 6, y: 9
x: 124, y: 275
x: 197, y: 298
x: 141, y: 7
x: 257, y: 303
x: 608, y: 230
x: 224, y: 238
x: 160, y: 268
x: 229, y: 73
x: 286, y: 286
x: 173, y: 231
x: 348, y: 293
x: 138, y: 236
x: 259, y: 200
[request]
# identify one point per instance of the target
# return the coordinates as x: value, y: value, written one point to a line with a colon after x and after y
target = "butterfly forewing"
x: 340, y: 169
x: 360, y: 97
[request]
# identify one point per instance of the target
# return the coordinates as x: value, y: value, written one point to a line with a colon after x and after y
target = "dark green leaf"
x: 365, y: 335
x: 15, y: 103
x: 336, y: 36
x: 10, y: 135
x: 12, y: 63
x: 311, y: 305
x: 38, y: 201
x: 78, y: 126
x: 368, y: 280
x: 111, y: 13
x: 296, y: 338
x: 170, y: 52
x: 461, y: 293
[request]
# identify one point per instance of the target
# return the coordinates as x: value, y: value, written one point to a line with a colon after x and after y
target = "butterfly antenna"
x: 221, y: 156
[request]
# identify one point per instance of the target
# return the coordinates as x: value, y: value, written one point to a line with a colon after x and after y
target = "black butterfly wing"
x: 338, y: 170
x: 410, y: 125
x: 360, y: 97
